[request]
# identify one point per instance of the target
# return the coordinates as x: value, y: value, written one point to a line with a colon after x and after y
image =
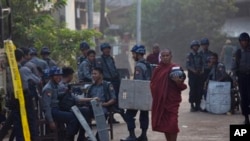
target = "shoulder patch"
x: 137, y: 72
x: 48, y: 94
x: 111, y: 87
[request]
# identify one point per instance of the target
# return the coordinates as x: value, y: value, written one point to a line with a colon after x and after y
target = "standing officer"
x: 41, y: 64
x: 110, y: 72
x: 45, y: 52
x: 26, y: 77
x: 86, y: 67
x: 241, y: 69
x: 51, y: 96
x: 84, y: 47
x: 194, y: 65
x: 205, y: 53
x: 141, y: 73
x: 28, y: 63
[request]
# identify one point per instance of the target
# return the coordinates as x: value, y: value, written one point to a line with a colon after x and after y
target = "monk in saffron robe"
x: 166, y: 93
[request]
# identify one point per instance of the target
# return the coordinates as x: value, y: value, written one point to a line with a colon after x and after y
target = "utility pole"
x: 102, y: 15
x: 138, y: 23
x: 90, y: 14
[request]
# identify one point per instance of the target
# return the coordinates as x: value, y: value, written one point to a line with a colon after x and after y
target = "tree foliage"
x: 33, y: 25
x: 175, y: 23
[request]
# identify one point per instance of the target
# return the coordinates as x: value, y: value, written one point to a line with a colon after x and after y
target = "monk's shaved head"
x: 165, y: 55
x: 166, y: 50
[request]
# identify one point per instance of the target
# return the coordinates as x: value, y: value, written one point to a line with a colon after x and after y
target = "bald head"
x: 165, y: 56
x: 166, y: 50
x: 156, y: 48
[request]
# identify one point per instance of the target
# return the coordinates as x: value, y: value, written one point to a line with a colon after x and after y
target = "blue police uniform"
x: 85, y: 70
x: 50, y: 62
x: 107, y: 63
x: 32, y: 67
x: 83, y: 46
x: 68, y: 100
x: 104, y: 91
x: 80, y: 59
x: 51, y: 95
x: 110, y: 72
x: 195, y: 63
x: 205, y: 57
x: 26, y: 76
x: 241, y: 67
x: 39, y: 62
x: 218, y: 73
x: 141, y: 73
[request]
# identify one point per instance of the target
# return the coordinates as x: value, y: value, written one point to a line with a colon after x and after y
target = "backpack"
x: 106, y: 85
x: 149, y: 70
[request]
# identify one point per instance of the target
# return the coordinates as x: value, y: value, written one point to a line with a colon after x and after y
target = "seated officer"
x: 50, y: 104
x: 218, y: 70
x: 102, y: 89
x: 69, y: 99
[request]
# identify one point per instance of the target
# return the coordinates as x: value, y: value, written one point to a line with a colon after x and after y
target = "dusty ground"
x: 198, y: 126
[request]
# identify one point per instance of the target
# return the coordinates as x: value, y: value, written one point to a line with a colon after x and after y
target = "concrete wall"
x: 70, y: 14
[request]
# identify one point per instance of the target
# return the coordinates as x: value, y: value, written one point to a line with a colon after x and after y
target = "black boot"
x: 131, y: 136
x: 143, y: 136
x: 81, y: 136
x: 69, y: 138
x: 197, y: 106
x: 192, y: 108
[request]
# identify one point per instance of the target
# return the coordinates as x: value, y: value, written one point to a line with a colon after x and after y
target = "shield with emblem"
x: 135, y: 94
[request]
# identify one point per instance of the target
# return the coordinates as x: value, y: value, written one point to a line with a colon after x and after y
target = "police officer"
x: 205, y: 53
x: 110, y: 72
x: 26, y: 76
x: 218, y: 70
x: 84, y: 47
x: 45, y: 52
x: 28, y: 63
x: 23, y: 64
x: 194, y: 65
x: 41, y: 64
x: 141, y: 73
x: 33, y: 67
x: 69, y: 99
x: 86, y: 67
x: 51, y: 96
x: 241, y: 69
x: 102, y: 89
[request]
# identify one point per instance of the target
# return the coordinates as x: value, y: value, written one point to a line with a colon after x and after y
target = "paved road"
x: 198, y: 126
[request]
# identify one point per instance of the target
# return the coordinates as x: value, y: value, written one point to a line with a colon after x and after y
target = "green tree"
x: 33, y: 25
x: 175, y: 23
x: 63, y: 42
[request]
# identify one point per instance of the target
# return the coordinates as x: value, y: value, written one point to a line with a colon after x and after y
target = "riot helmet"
x: 139, y: 49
